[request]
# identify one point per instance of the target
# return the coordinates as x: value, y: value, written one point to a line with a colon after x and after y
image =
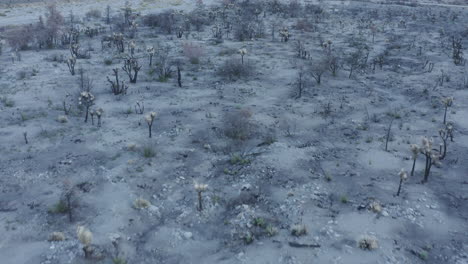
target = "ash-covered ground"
x: 281, y: 132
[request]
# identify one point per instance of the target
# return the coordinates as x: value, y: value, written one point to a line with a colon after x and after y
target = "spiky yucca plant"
x: 200, y: 188
x: 431, y: 157
x: 447, y: 101
x: 149, y: 120
x: 87, y: 100
x: 242, y: 52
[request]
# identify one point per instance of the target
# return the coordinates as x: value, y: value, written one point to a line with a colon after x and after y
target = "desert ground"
x: 238, y: 131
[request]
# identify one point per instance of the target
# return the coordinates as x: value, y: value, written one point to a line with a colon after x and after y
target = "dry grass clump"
x: 62, y: 119
x: 85, y: 237
x: 237, y: 124
x: 298, y: 230
x: 141, y: 203
x: 375, y: 207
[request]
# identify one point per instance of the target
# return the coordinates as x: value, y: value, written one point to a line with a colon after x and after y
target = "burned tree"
x: 151, y: 53
x: 131, y: 67
x: 300, y: 82
x: 71, y: 62
x: 117, y: 87
x: 318, y: 69
x: 86, y: 99
x: 457, y: 51
x: 431, y: 157
x: 149, y: 121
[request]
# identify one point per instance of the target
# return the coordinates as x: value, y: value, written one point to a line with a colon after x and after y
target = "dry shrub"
x: 93, y: 13
x: 164, y: 20
x: 304, y: 25
x: 234, y: 69
x: 193, y: 52
x: 19, y: 38
x: 238, y: 125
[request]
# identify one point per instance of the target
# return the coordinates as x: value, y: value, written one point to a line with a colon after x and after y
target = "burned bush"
x: 238, y: 125
x: 233, y: 69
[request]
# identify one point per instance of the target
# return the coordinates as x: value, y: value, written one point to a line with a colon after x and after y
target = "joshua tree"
x: 333, y: 64
x: 117, y: 87
x: 242, y: 52
x: 200, y: 188
x: 389, y: 129
x: 108, y: 14
x: 99, y: 113
x: 74, y: 49
x: 179, y: 32
x: 284, y: 34
x: 301, y: 50
x: 25, y: 136
x: 448, y: 101
x: 139, y: 108
x: 68, y: 195
x: 300, y: 82
x: 85, y: 82
x: 403, y: 176
x: 118, y: 40
x: 87, y: 100
x: 71, y: 62
x: 133, y: 29
x: 132, y: 47
x: 450, y: 131
x: 164, y: 64
x: 431, y: 157
x: 66, y: 109
x: 357, y: 60
x: 131, y: 67
x: 445, y: 134
x: 327, y: 46
x: 414, y: 154
x: 457, y: 54
x: 179, y: 76
x: 85, y: 237
x: 149, y: 120
x: 92, y: 113
x: 151, y: 53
